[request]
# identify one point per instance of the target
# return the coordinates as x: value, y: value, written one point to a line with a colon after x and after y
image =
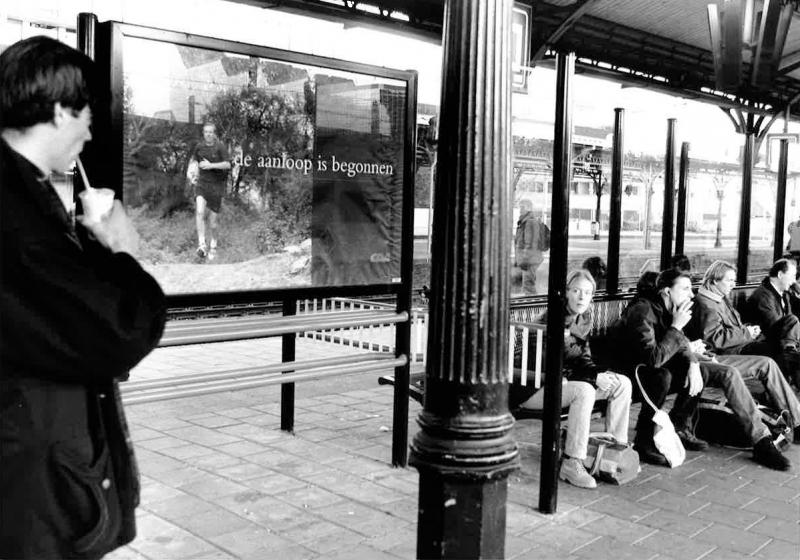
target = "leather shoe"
x: 767, y: 454
x: 796, y: 438
x: 649, y: 454
x: 691, y: 442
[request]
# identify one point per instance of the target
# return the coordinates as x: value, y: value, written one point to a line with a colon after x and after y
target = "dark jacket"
x: 766, y: 306
x: 646, y: 336
x: 716, y: 321
x: 526, y: 241
x: 577, y: 364
x: 75, y: 318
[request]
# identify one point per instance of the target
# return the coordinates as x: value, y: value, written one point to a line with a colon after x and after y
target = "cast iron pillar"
x: 562, y: 179
x: 744, y: 213
x: 683, y: 185
x: 669, y: 196
x: 464, y: 451
x: 615, y: 211
x: 780, y: 207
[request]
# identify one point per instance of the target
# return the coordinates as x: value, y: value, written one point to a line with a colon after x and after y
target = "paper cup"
x: 97, y: 203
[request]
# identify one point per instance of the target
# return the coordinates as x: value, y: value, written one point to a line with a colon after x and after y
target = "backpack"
x: 544, y: 237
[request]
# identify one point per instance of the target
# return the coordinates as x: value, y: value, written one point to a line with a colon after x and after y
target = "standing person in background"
x: 530, y: 241
x: 78, y: 312
x: 793, y: 246
x: 211, y: 160
x: 598, y: 269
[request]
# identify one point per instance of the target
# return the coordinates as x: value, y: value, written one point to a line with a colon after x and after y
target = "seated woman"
x: 583, y: 383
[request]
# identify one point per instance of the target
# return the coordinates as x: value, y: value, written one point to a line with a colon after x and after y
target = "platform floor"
x: 221, y: 481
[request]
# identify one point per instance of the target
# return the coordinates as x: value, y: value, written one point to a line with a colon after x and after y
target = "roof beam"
x: 789, y: 63
x: 775, y: 20
x: 578, y: 9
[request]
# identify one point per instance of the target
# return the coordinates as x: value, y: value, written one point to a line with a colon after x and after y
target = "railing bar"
x: 538, y: 372
x: 524, y: 365
x: 512, y: 336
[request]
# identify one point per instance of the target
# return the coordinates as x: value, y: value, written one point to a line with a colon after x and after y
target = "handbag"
x: 665, y: 438
x: 611, y: 460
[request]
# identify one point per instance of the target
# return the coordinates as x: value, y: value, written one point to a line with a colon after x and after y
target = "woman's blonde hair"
x: 716, y: 272
x: 582, y: 273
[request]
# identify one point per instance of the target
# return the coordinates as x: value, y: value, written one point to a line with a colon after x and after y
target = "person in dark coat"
x: 78, y: 312
x: 770, y: 306
x: 583, y: 382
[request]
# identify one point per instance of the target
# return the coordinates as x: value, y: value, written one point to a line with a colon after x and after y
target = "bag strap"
x: 644, y: 393
x: 601, y: 447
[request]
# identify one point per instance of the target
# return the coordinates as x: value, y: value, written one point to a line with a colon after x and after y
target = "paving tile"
x: 361, y: 552
x: 521, y: 520
x: 782, y: 529
x: 622, y: 530
x: 760, y: 489
x: 158, y: 538
x: 562, y: 538
x: 623, y: 509
x: 211, y: 487
x: 675, y: 545
x: 672, y: 522
x: 212, y: 523
x: 666, y: 500
x: 343, y: 539
x: 251, y: 540
x: 359, y: 518
x: 774, y: 508
x: 202, y: 436
x: 610, y: 548
x: 214, y: 421
x: 179, y: 507
x: 739, y: 518
x: 310, y: 497
x: 779, y: 550
x: 731, y: 499
x: 577, y: 517
x: 731, y: 538
x: 189, y: 451
x: 274, y: 483
x: 215, y: 461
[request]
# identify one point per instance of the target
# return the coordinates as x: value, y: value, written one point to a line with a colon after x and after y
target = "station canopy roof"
x: 745, y: 55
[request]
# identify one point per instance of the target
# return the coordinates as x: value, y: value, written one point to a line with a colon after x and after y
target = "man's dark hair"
x: 681, y: 262
x: 781, y: 265
x: 668, y: 278
x: 38, y: 72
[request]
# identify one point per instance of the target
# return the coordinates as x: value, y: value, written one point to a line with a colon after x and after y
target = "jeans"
x: 727, y: 375
x: 765, y: 371
x: 580, y: 397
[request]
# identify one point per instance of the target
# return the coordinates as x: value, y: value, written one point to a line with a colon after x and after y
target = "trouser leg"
x: 579, y: 396
x: 727, y: 375
x: 778, y: 389
x: 619, y: 405
x: 685, y: 406
x: 656, y: 383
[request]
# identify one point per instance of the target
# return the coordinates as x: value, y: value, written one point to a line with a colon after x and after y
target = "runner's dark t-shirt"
x: 211, y: 178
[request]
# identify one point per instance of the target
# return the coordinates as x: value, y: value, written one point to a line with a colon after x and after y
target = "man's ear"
x: 58, y: 114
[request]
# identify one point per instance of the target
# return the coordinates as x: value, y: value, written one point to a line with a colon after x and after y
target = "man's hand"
x: 682, y: 315
x: 205, y: 164
x: 115, y: 231
x: 754, y: 330
x: 694, y: 379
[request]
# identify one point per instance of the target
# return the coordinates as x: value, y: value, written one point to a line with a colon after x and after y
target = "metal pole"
x: 87, y: 32
x: 683, y: 181
x: 464, y: 451
x: 615, y: 211
x: 744, y: 215
x: 562, y: 178
x: 288, y: 342
x: 669, y: 196
x: 780, y: 200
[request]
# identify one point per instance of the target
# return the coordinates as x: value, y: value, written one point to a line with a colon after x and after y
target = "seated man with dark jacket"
x: 654, y: 330
x: 770, y: 307
x: 651, y: 330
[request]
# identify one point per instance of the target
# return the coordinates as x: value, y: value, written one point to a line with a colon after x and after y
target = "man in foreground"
x: 78, y: 312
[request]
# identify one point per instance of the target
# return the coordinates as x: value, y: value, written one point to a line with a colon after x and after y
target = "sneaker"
x: 765, y: 453
x: 212, y: 254
x: 649, y: 454
x: 572, y: 471
x: 201, y: 252
x: 690, y: 441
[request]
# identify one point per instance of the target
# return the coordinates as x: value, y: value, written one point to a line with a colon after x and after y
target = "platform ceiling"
x: 663, y: 44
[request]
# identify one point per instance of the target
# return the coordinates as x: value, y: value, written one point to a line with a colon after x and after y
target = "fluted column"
x: 464, y: 451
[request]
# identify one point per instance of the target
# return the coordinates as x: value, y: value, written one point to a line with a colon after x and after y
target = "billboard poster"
x: 246, y: 172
